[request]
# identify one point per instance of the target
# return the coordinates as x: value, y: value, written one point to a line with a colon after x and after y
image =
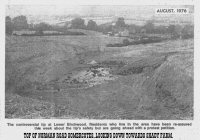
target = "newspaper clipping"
x: 99, y: 71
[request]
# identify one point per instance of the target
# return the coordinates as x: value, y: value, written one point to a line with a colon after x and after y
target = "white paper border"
x: 181, y: 134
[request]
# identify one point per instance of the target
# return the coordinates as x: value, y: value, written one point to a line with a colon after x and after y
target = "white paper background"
x: 184, y: 133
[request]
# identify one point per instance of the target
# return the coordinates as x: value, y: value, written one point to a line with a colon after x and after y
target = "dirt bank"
x: 152, y: 81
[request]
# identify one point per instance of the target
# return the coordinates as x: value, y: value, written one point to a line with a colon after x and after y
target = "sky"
x: 92, y: 10
x: 99, y: 13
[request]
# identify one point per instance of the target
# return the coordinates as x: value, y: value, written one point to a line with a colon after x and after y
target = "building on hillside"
x: 124, y: 33
x: 120, y: 31
x: 110, y: 33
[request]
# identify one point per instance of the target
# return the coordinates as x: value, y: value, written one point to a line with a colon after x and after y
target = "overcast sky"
x: 126, y: 11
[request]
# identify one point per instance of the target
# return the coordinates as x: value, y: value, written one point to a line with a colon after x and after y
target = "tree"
x: 105, y: 28
x: 42, y: 26
x: 178, y: 30
x: 31, y: 26
x: 120, y: 22
x: 188, y: 30
x: 171, y: 29
x: 20, y: 22
x: 78, y: 23
x: 9, y: 25
x: 92, y: 25
x: 149, y: 26
x: 160, y: 29
x: 39, y: 28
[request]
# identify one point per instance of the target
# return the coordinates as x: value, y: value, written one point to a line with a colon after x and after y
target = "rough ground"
x: 78, y: 77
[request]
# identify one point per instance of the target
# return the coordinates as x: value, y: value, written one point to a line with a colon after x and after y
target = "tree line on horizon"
x: 20, y: 23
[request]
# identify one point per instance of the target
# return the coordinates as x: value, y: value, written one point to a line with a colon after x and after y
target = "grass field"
x: 52, y: 77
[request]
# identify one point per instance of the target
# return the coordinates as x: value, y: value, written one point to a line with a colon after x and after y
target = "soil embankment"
x: 72, y: 78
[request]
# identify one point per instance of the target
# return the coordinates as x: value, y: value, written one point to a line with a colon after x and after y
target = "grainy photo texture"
x: 99, y: 62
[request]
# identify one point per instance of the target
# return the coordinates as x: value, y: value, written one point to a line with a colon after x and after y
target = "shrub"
x: 126, y: 42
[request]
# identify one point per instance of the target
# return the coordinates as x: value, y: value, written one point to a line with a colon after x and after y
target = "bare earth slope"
x: 77, y: 77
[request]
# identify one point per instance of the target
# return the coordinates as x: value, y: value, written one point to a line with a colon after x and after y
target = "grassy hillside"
x: 48, y: 77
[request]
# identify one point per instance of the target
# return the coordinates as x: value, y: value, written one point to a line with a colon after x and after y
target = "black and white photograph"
x: 99, y: 62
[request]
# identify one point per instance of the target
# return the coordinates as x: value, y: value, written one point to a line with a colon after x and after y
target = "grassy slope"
x: 161, y: 89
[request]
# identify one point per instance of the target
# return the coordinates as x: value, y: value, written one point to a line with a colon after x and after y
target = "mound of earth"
x: 89, y: 78
x: 169, y: 92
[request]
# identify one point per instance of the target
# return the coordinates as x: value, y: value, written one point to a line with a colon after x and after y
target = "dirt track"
x: 152, y: 81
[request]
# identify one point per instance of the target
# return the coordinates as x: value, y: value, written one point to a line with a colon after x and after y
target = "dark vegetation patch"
x: 139, y: 66
x: 131, y: 70
x: 53, y: 34
x: 112, y: 63
x: 143, y: 40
